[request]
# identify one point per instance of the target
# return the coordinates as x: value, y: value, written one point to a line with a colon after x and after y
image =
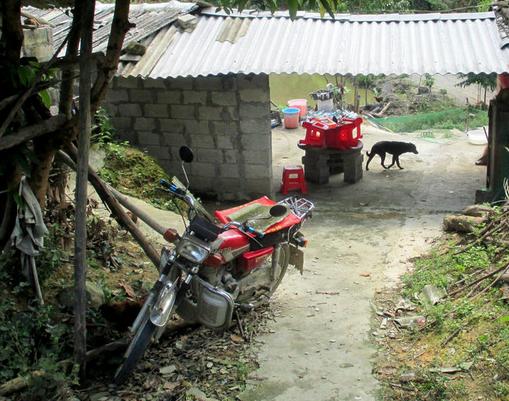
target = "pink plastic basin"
x: 301, y: 104
x: 291, y: 117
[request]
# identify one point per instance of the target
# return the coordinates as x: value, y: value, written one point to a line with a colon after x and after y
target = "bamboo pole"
x: 104, y: 192
x: 85, y: 124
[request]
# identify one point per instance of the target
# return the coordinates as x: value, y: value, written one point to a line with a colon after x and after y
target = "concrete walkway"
x: 361, y: 238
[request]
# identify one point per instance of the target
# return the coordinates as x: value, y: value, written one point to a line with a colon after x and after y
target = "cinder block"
x: 230, y: 156
x: 195, y: 127
x: 255, y: 95
x: 129, y: 136
x: 148, y: 138
x: 202, y: 141
x: 224, y: 142
x: 227, y: 185
x: 38, y: 43
x: 158, y: 152
x: 255, y: 142
x: 223, y: 98
x: 144, y: 124
x: 151, y: 83
x: 117, y: 96
x: 253, y: 81
x: 171, y: 166
x: 192, y: 97
x: 208, y: 155
x: 169, y: 96
x: 352, y: 165
x: 200, y: 184
x: 180, y: 83
x: 127, y: 83
x: 208, y: 83
x: 112, y: 109
x: 122, y: 123
x: 156, y: 110
x: 258, y: 186
x: 257, y: 171
x: 129, y: 110
x: 254, y: 110
x: 141, y: 95
x: 252, y: 126
x: 229, y: 171
x: 171, y: 125
x: 230, y: 82
x: 257, y: 157
x: 173, y: 139
x: 230, y: 113
x: 210, y: 113
x: 203, y: 169
x: 228, y: 128
x: 183, y: 112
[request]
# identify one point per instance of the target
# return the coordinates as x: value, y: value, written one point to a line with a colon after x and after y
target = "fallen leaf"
x: 128, y: 290
x: 365, y: 274
x: 236, y: 339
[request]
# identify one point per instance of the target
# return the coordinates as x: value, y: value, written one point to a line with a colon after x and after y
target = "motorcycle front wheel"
x: 136, y: 350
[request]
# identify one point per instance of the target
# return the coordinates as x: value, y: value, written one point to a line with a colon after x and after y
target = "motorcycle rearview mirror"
x: 186, y: 156
x: 277, y: 210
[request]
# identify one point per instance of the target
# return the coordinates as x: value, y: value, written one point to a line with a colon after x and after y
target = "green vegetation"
x: 32, y: 338
x: 129, y: 170
x: 445, y: 119
x: 135, y: 173
x: 467, y: 331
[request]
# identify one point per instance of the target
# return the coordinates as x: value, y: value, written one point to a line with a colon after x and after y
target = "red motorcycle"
x: 235, y: 259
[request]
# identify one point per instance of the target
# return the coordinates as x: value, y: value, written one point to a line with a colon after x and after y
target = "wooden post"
x: 85, y: 122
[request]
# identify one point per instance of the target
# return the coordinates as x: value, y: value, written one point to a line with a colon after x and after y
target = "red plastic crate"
x: 346, y: 136
x: 325, y: 133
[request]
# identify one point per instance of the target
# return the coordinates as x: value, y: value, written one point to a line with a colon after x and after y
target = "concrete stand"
x: 320, y: 163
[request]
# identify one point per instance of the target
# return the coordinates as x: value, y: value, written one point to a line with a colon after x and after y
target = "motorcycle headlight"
x: 193, y: 250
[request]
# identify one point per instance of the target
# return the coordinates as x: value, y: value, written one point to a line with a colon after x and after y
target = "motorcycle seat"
x: 257, y: 212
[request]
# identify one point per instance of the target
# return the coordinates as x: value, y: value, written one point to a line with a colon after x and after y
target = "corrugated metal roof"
x: 148, y: 19
x: 350, y: 44
x: 258, y: 42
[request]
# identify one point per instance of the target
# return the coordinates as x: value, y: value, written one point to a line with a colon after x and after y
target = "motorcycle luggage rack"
x: 301, y: 207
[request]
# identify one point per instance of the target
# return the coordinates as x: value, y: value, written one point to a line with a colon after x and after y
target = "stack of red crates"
x: 325, y: 133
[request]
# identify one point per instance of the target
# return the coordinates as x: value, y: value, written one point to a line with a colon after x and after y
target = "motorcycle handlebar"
x: 183, y: 195
x: 172, y: 188
x: 244, y: 228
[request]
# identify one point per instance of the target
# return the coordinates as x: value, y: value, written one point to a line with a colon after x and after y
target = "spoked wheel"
x: 136, y: 350
x: 282, y: 266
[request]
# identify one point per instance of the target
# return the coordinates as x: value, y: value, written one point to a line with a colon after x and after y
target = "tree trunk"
x: 85, y: 123
x: 119, y: 27
x: 12, y: 32
x: 67, y: 87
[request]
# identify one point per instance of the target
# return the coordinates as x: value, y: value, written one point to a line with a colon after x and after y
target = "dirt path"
x: 361, y: 238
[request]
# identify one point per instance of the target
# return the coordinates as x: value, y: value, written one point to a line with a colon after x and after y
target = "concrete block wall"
x: 224, y: 119
x: 38, y: 43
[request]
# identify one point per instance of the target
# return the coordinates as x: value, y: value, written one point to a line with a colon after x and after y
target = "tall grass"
x: 445, y: 119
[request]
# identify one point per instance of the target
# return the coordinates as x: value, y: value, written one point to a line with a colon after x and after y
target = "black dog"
x: 392, y: 147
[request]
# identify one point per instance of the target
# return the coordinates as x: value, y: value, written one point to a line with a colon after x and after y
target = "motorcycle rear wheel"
x: 136, y: 350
